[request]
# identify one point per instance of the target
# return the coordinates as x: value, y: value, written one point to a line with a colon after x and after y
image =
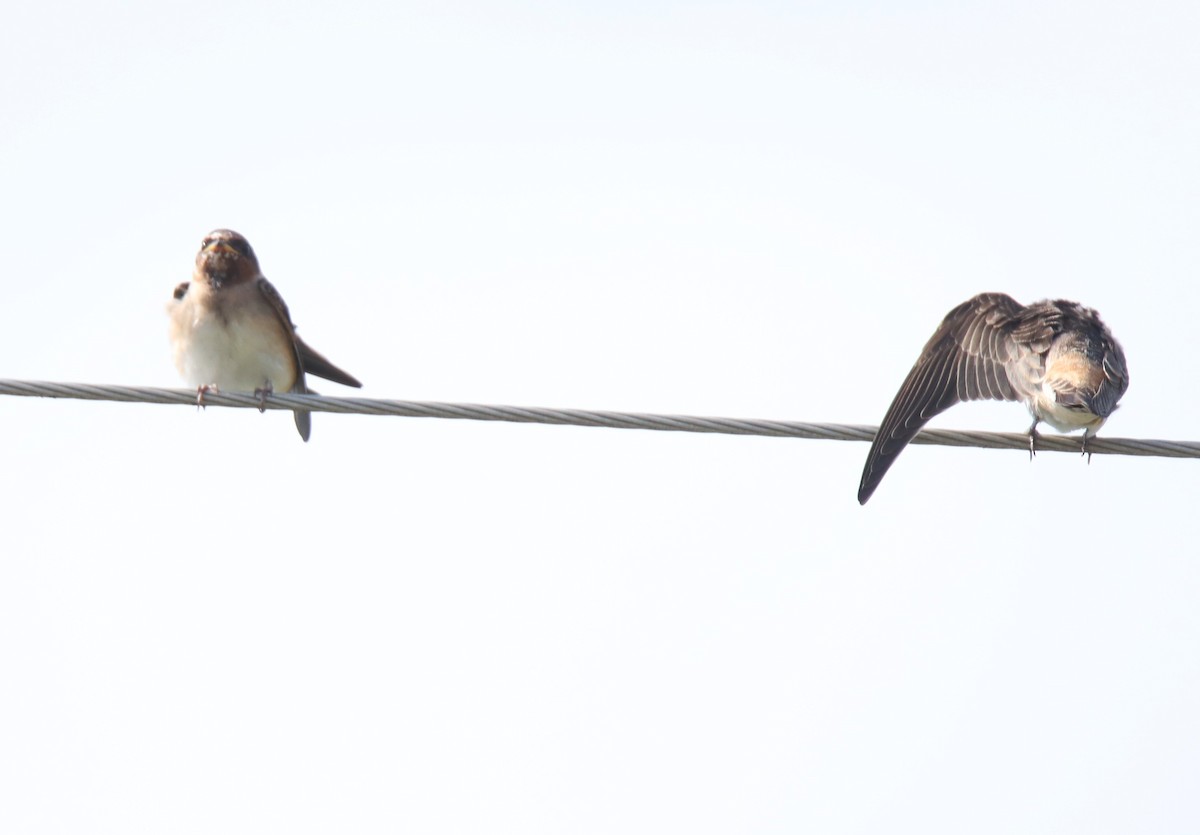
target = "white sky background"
x: 747, y: 210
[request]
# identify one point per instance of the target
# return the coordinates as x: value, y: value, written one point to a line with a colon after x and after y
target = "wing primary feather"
x: 307, y: 360
x: 965, y: 359
x: 928, y: 390
x: 314, y: 363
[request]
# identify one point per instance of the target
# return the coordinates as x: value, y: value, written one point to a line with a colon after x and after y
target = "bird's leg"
x: 1033, y: 436
x: 1084, y: 449
x: 262, y: 394
x: 203, y: 390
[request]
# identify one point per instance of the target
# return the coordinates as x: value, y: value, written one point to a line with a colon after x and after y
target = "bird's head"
x: 225, y: 257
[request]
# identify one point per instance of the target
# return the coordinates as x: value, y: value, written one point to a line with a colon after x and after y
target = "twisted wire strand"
x: 584, y: 417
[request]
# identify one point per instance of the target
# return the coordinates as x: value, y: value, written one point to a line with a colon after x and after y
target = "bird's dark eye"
x: 241, y: 245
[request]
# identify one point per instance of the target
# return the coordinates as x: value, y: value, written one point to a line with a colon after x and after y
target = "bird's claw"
x: 203, y: 390
x: 262, y: 394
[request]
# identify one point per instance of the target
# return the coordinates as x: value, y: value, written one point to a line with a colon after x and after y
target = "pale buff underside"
x: 1045, y: 408
x: 1069, y: 370
x: 246, y: 349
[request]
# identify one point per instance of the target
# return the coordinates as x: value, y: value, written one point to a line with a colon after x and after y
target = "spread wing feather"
x: 973, y: 355
x: 992, y: 348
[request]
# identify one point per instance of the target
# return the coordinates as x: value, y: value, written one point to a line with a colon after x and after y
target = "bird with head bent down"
x: 1056, y: 357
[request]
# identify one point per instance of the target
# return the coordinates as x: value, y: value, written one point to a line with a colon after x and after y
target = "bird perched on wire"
x: 1056, y: 357
x: 231, y: 330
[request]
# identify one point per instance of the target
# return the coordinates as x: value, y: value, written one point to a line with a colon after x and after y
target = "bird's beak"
x: 221, y: 247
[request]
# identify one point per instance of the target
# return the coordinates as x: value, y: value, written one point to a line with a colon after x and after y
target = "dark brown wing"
x: 303, y: 419
x: 315, y: 363
x: 1116, y: 376
x: 975, y: 354
x: 307, y: 360
x: 181, y: 289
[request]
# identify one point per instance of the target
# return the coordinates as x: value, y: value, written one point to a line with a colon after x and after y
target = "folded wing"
x: 307, y: 360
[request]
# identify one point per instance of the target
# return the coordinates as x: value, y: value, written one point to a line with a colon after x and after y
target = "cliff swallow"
x: 231, y: 330
x: 1056, y: 357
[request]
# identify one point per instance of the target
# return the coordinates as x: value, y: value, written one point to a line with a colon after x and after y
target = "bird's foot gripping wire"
x: 262, y: 395
x: 203, y: 390
x: 1033, y: 439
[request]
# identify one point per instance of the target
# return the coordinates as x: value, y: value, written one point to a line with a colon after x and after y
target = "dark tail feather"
x: 303, y: 418
x: 304, y: 424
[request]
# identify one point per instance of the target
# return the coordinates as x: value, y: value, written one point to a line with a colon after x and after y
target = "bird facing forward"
x: 231, y: 330
x: 1056, y: 357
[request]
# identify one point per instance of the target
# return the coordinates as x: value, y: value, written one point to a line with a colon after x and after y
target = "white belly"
x: 241, y: 353
x: 1046, y: 408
